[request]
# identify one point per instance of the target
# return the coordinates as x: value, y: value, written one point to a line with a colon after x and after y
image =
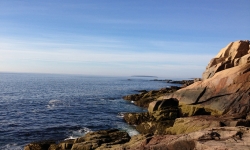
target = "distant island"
x: 144, y: 76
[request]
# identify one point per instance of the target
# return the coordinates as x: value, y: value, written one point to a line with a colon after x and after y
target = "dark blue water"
x: 36, y: 107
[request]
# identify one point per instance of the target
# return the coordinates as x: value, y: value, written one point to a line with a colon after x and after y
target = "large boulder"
x: 225, y: 91
x: 160, y: 116
x: 234, y: 54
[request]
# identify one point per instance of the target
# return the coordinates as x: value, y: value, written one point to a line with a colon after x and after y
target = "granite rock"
x: 225, y: 91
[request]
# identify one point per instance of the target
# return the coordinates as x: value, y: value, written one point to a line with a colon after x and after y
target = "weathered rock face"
x: 191, y: 124
x: 163, y: 105
x: 234, y: 54
x: 164, y: 110
x: 224, y: 91
x: 224, y: 138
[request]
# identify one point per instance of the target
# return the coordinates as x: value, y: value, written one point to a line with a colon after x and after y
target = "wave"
x: 54, y: 101
x: 120, y: 115
x: 79, y: 133
x: 57, y: 103
x: 131, y: 132
x: 128, y: 128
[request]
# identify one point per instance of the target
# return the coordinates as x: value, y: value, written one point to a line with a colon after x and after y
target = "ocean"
x: 36, y: 107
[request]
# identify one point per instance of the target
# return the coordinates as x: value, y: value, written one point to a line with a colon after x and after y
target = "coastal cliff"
x: 211, y: 113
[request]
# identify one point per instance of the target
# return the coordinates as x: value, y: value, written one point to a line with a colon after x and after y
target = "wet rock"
x: 63, y: 145
x: 142, y: 91
x: 40, y: 145
x: 100, y: 138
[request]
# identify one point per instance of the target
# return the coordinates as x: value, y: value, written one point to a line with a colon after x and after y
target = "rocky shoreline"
x: 208, y: 113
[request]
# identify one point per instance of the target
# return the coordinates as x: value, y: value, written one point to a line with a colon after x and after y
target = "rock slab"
x: 225, y: 88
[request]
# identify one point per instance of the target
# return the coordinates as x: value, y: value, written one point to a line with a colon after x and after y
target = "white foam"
x: 132, y: 132
x: 50, y: 106
x: 83, y: 131
x: 128, y: 128
x: 12, y: 146
x: 54, y: 101
x: 70, y: 138
x: 120, y: 115
x: 79, y: 133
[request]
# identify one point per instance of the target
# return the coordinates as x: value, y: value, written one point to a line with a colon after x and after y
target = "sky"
x: 164, y: 38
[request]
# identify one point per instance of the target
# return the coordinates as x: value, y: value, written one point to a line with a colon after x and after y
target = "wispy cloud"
x: 88, y: 56
x: 102, y: 50
x: 67, y: 57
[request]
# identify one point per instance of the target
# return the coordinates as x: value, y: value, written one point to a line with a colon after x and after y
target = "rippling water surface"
x: 36, y: 107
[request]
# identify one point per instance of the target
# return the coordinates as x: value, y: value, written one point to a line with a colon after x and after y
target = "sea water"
x: 36, y: 107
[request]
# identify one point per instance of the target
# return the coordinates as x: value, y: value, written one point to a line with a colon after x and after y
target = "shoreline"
x: 211, y: 113
x: 154, y: 94
x: 139, y: 120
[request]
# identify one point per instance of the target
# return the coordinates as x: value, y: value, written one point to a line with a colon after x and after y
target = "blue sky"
x: 118, y: 38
